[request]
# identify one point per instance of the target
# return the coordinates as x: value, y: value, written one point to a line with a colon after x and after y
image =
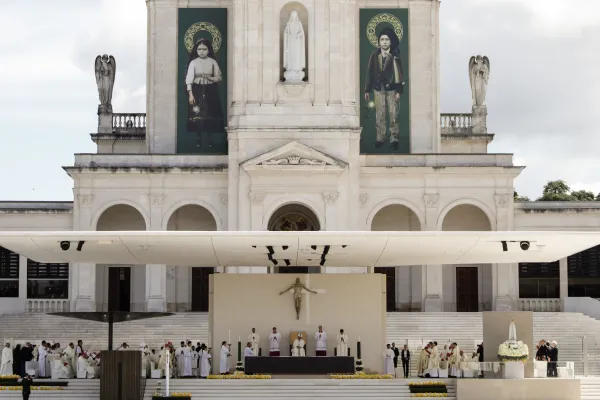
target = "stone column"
x: 83, y: 280
x: 257, y: 199
x: 330, y: 211
x: 433, y: 292
x: 23, y: 281
x: 156, y: 274
x: 564, y: 282
x: 505, y: 277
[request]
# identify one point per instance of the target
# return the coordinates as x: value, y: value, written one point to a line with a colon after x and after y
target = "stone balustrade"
x: 456, y: 123
x: 540, y: 305
x: 129, y: 123
x: 44, y: 306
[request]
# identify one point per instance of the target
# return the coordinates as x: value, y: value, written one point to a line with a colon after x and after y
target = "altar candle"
x: 359, y: 338
x: 239, y: 338
x: 229, y: 338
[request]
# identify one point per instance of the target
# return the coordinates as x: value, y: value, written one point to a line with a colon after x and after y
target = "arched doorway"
x: 187, y: 286
x: 121, y: 287
x: 468, y: 286
x: 294, y: 217
x: 400, y: 293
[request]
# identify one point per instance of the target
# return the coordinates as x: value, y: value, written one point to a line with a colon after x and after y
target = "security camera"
x: 65, y: 245
x: 524, y: 245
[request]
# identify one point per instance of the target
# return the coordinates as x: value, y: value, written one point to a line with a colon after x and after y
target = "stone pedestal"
x: 513, y: 370
x: 479, y: 119
x: 105, y: 121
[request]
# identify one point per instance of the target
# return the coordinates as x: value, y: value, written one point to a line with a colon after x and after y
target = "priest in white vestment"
x: 321, y: 338
x: 179, y: 359
x: 434, y: 357
x: 187, y: 361
x: 223, y: 362
x: 248, y: 352
x: 6, y: 367
x: 82, y: 363
x: 42, y: 353
x: 342, y: 344
x: 204, y: 363
x: 388, y: 361
x: 69, y: 357
x: 453, y: 361
x: 298, y: 347
x: 274, y: 343
x: 254, y: 339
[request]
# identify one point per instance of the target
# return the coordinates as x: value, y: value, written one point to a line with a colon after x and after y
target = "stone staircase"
x: 35, y: 327
x: 297, y: 389
x: 82, y: 389
x: 590, y: 388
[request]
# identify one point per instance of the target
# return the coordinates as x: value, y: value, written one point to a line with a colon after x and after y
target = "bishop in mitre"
x: 254, y: 339
x: 298, y: 347
x: 423, y: 360
x: 388, y: 361
x: 6, y: 366
x: 342, y: 344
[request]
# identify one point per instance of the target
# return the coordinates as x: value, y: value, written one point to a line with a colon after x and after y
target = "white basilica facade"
x: 294, y: 161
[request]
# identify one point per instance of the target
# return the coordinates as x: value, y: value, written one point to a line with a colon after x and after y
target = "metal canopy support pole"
x: 110, y: 330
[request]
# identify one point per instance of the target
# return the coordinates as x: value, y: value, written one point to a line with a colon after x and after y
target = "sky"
x: 543, y: 96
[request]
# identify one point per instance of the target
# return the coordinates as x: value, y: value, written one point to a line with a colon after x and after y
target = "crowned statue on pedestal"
x: 513, y: 350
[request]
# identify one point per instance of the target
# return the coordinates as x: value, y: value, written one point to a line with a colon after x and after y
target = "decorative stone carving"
x: 479, y: 75
x: 156, y: 199
x: 106, y: 68
x: 294, y: 50
x: 293, y: 160
x: 257, y: 198
x: 85, y: 200
x: 501, y: 200
x: 330, y: 197
x: 224, y: 199
x: 431, y: 200
x: 363, y: 198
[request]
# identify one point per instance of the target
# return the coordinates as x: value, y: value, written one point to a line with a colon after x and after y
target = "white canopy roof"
x: 331, y: 249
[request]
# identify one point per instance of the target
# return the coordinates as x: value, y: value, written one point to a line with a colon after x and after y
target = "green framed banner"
x: 202, y: 81
x: 384, y: 81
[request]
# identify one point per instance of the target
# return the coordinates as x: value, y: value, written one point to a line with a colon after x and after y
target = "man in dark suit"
x: 26, y: 355
x: 405, y: 355
x: 552, y: 360
x: 26, y: 382
x: 385, y: 78
x: 396, y: 354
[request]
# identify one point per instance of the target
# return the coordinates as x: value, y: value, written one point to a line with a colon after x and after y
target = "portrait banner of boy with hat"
x: 384, y: 63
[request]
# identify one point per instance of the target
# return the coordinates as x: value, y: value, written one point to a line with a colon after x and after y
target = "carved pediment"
x: 294, y: 154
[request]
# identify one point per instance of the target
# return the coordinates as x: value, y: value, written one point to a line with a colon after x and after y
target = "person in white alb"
x: 388, y: 361
x: 204, y: 363
x: 274, y: 341
x: 6, y: 368
x: 248, y: 351
x: 223, y: 362
x: 321, y: 338
x: 342, y: 344
x: 254, y: 339
x: 298, y: 347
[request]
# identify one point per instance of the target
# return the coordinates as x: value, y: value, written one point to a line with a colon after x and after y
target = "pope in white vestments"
x: 388, y: 361
x: 274, y: 340
x: 298, y: 347
x: 254, y: 339
x: 342, y: 344
x: 6, y: 367
x: 321, y: 338
x: 248, y: 352
x: 223, y: 362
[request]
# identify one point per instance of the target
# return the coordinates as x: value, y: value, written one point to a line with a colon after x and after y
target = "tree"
x: 520, y: 198
x: 598, y: 197
x: 583, y: 195
x: 556, y: 191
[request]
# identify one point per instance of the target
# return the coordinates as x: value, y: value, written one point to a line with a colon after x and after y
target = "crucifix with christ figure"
x: 298, y: 288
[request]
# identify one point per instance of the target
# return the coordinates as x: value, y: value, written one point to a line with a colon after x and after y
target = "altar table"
x: 299, y: 365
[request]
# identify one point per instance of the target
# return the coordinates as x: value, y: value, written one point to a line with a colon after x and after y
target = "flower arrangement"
x: 361, y: 375
x: 238, y: 376
x: 175, y: 394
x: 10, y: 377
x: 19, y: 388
x: 429, y: 395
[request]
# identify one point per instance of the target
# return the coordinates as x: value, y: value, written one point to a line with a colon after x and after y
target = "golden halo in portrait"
x: 188, y: 38
x: 380, y: 19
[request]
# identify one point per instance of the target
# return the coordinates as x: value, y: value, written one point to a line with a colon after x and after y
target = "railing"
x: 539, y: 305
x: 129, y: 123
x: 48, y: 306
x: 456, y: 123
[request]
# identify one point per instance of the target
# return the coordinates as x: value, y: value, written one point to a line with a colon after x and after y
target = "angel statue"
x: 479, y: 75
x: 106, y: 68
